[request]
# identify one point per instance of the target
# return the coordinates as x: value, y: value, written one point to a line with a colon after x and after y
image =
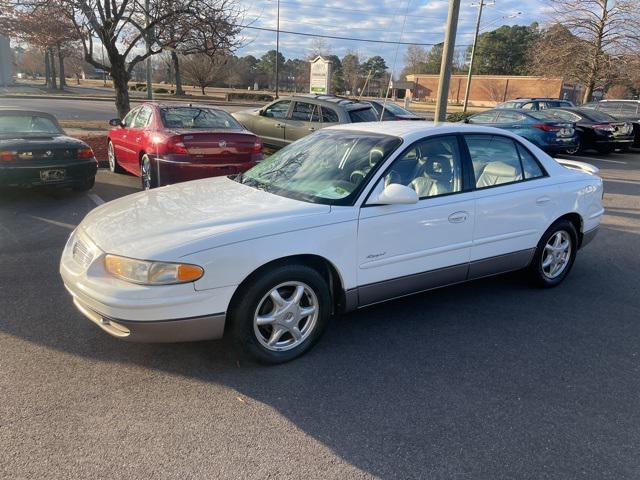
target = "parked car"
x: 392, y: 111
x: 551, y: 135
x: 540, y: 103
x: 165, y: 144
x: 291, y: 118
x: 595, y: 129
x: 345, y: 218
x: 35, y: 151
x: 624, y: 110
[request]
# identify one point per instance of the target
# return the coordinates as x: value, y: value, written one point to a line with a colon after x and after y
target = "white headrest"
x: 500, y: 169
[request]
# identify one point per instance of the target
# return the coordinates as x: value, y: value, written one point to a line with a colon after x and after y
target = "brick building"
x: 488, y: 90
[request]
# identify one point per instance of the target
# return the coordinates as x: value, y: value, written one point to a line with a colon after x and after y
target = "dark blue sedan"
x: 550, y: 135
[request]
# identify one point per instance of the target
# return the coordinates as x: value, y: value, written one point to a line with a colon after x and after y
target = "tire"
x: 555, y: 237
x: 85, y: 185
x: 114, y: 167
x: 148, y: 175
x: 255, y: 301
x: 577, y: 149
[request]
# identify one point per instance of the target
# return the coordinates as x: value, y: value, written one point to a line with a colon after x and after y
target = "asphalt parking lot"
x: 487, y: 380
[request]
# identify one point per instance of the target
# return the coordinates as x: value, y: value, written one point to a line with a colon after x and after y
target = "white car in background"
x: 347, y: 217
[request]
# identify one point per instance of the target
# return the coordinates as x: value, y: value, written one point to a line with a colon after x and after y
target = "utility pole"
x: 277, y: 46
x: 148, y: 42
x: 473, y: 52
x: 447, y: 60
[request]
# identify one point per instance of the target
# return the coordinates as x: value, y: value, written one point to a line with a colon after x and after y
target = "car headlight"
x: 151, y: 273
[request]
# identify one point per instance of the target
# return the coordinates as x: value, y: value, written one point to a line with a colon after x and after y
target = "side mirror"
x: 116, y: 122
x: 262, y: 113
x: 397, y: 194
x: 466, y: 120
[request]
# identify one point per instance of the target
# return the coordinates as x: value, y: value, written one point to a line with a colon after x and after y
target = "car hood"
x: 18, y: 141
x: 170, y: 222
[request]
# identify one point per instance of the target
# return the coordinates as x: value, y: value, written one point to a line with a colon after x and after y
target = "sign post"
x: 321, y: 70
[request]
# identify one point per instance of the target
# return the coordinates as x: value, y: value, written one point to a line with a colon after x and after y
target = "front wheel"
x: 281, y: 313
x: 113, y: 161
x: 554, y: 255
x: 148, y: 176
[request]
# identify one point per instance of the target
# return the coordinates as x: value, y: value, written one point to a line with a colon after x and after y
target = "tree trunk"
x: 47, y: 70
x: 63, y: 83
x: 202, y: 88
x: 121, y: 78
x: 176, y: 72
x: 52, y: 61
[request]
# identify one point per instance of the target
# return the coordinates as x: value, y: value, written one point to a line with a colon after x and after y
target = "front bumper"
x: 157, y: 331
x: 15, y: 174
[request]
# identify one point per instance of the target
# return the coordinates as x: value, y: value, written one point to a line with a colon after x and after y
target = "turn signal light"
x: 85, y: 153
x: 8, y: 155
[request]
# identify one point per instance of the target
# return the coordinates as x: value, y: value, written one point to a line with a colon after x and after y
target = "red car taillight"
x: 176, y: 145
x: 257, y: 146
x: 547, y: 128
x: 85, y: 153
x: 8, y: 155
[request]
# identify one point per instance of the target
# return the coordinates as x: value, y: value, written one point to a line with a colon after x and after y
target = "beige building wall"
x: 488, y: 90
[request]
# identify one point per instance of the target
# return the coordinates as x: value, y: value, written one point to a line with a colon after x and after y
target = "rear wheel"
x: 555, y: 254
x: 113, y: 161
x: 148, y: 177
x: 281, y: 313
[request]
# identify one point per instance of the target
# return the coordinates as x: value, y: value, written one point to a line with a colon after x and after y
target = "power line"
x: 335, y: 37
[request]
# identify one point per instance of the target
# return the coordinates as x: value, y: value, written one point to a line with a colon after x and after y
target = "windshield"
x: 28, y: 124
x: 363, y: 115
x: 395, y: 109
x: 194, y: 117
x: 597, y: 116
x: 330, y: 166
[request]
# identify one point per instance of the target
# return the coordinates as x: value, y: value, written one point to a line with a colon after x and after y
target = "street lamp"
x: 277, y: 44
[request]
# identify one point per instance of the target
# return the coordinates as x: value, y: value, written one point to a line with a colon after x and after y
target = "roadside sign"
x: 320, y: 81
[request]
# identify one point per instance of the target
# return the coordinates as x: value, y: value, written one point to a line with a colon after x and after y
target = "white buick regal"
x: 347, y: 217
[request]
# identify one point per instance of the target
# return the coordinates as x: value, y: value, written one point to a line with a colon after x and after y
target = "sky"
x: 420, y: 21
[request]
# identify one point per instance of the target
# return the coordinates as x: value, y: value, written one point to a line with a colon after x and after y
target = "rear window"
x: 363, y: 115
x: 195, y: 117
x: 31, y: 124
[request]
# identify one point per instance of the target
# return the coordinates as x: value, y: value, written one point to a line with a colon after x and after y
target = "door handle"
x: 458, y: 217
x: 543, y: 200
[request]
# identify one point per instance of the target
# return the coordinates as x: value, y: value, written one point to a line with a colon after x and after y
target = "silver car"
x: 290, y: 118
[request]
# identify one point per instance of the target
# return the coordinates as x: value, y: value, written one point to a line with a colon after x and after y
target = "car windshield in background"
x: 395, y: 109
x: 329, y: 167
x: 27, y: 125
x: 193, y: 117
x: 598, y: 116
x: 363, y: 115
x: 542, y: 115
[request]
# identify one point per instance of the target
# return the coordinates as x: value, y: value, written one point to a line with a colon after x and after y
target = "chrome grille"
x: 81, y: 253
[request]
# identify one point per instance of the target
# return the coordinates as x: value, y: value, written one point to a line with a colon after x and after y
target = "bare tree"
x: 130, y: 33
x: 413, y: 58
x: 202, y: 70
x: 587, y: 38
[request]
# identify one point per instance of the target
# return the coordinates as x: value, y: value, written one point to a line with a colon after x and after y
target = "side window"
x: 564, y: 115
x: 306, y: 112
x: 278, y: 109
x: 431, y: 167
x: 485, y: 117
x: 128, y: 120
x: 530, y: 165
x: 628, y: 108
x: 530, y: 106
x: 329, y: 115
x: 510, y: 117
x: 495, y: 160
x: 612, y: 108
x: 142, y: 119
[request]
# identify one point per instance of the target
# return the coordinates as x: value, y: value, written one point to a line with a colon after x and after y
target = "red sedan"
x: 164, y: 144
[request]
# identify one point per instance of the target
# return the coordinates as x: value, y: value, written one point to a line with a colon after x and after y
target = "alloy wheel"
x: 145, y: 173
x: 111, y: 157
x: 286, y: 316
x: 556, y: 254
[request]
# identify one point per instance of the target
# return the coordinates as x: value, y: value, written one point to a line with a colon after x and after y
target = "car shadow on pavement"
x: 476, y: 379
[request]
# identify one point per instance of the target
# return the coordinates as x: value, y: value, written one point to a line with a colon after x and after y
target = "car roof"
x: 179, y: 105
x: 19, y: 111
x: 616, y: 100
x: 345, y: 102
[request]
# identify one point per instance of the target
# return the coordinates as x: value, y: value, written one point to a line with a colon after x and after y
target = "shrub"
x: 458, y: 116
x: 261, y: 97
x: 160, y: 90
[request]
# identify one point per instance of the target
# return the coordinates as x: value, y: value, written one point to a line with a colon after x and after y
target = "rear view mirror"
x: 397, y: 194
x: 116, y: 122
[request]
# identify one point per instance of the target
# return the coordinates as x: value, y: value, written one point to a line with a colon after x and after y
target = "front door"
x: 271, y: 124
x: 120, y: 139
x: 515, y: 203
x: 404, y: 249
x: 304, y: 120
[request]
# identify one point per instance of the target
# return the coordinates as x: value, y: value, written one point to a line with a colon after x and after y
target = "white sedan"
x: 347, y: 217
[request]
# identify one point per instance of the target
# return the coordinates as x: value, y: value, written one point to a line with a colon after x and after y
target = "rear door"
x: 305, y: 119
x: 271, y: 124
x: 512, y: 121
x: 515, y: 203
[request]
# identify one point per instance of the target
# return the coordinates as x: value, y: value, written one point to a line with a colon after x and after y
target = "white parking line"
x: 95, y: 199
x: 54, y: 222
x: 593, y: 159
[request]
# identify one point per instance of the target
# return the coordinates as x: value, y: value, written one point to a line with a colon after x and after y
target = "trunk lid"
x: 223, y: 146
